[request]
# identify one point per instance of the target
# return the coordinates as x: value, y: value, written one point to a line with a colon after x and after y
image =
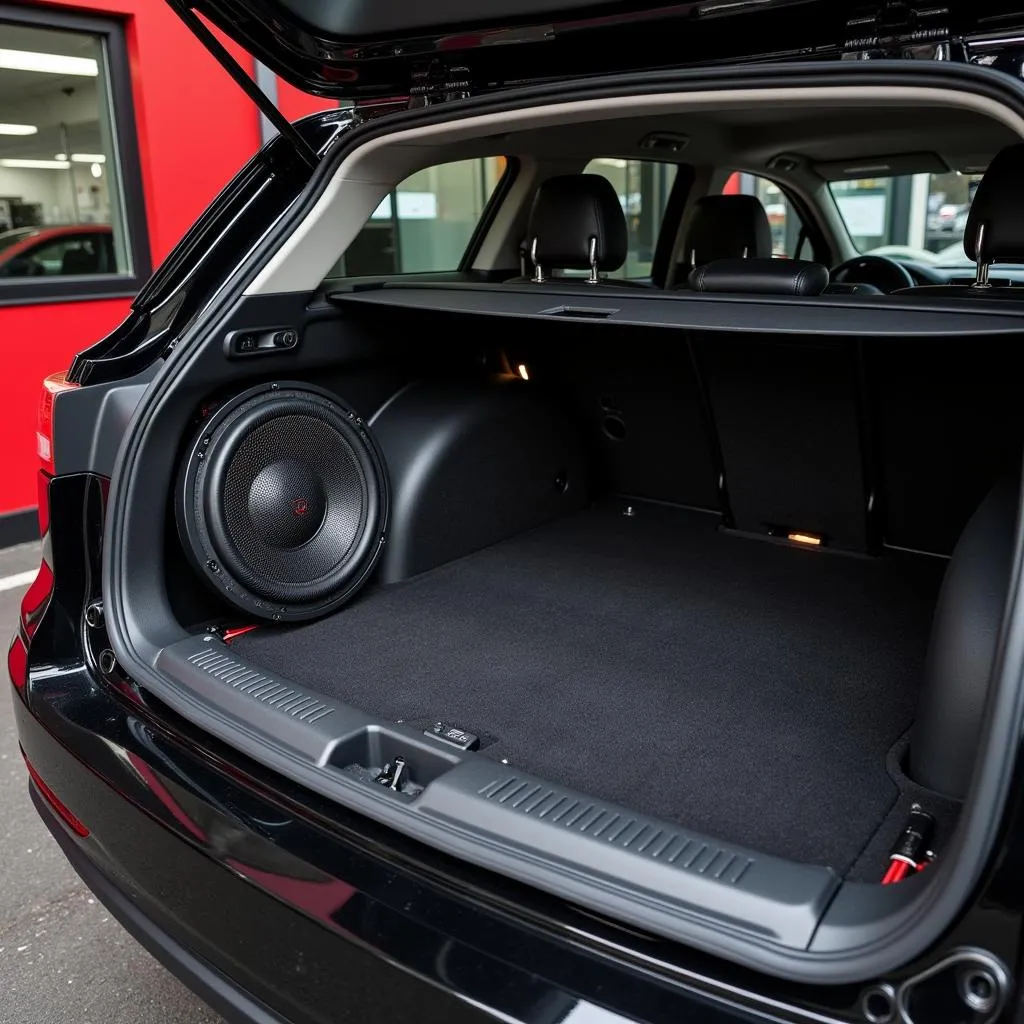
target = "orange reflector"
x: 804, y: 538
x: 523, y: 371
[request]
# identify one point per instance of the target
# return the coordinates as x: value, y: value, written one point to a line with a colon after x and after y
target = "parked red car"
x: 71, y: 249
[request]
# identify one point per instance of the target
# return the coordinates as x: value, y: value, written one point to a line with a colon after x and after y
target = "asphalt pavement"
x: 63, y: 958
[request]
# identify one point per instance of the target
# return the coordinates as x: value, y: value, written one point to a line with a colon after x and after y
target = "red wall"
x: 195, y: 130
x: 294, y: 103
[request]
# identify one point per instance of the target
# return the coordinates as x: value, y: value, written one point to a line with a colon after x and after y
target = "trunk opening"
x: 749, y: 690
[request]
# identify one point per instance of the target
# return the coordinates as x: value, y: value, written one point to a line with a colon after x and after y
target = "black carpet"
x: 738, y: 687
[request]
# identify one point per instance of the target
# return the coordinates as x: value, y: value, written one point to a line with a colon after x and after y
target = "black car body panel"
x: 331, y: 914
x: 372, y: 51
x: 275, y: 905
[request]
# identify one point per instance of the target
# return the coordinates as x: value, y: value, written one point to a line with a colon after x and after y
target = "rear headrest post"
x: 981, y: 277
x: 538, y: 270
x: 594, y: 278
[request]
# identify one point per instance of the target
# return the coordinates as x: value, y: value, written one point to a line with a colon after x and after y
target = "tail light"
x: 52, y: 386
x: 38, y: 594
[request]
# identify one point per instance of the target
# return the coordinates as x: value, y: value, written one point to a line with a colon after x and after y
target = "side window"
x: 788, y: 237
x: 67, y: 153
x: 426, y: 223
x: 643, y: 188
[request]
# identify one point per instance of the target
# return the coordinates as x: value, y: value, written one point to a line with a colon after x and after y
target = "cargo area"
x: 637, y: 653
x: 695, y: 575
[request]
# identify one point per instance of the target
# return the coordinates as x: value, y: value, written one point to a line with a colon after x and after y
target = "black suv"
x: 545, y: 545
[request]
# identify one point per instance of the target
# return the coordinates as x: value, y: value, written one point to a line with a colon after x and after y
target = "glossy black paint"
x: 246, y: 871
x: 307, y: 908
x: 235, y: 221
x: 432, y: 58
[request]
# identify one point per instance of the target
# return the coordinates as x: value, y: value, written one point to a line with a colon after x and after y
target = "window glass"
x: 788, y: 239
x: 58, y: 166
x: 915, y: 216
x: 426, y: 223
x: 643, y: 188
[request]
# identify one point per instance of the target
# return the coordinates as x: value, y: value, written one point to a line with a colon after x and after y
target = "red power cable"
x: 230, y: 634
x: 898, y: 870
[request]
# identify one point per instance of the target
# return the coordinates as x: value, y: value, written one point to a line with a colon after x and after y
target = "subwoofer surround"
x: 282, y: 501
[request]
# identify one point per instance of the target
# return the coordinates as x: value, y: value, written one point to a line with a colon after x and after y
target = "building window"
x: 643, y: 188
x: 70, y: 201
x: 426, y: 224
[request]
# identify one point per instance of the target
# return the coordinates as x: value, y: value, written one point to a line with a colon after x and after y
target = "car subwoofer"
x: 283, y: 501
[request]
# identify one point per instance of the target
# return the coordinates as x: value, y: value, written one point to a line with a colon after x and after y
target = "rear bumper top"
x: 270, y: 917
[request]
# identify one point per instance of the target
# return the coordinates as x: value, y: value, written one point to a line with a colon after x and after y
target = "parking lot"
x: 63, y: 959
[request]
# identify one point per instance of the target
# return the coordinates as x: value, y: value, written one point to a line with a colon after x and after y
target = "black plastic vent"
x: 660, y: 842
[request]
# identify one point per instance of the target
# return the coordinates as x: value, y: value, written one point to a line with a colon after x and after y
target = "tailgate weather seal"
x: 649, y: 873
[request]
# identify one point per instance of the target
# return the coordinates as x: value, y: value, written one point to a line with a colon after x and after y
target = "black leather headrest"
x: 997, y: 212
x: 727, y: 227
x: 568, y: 211
x: 761, y: 277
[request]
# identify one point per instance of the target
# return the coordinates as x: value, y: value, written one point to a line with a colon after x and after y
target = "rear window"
x: 919, y: 217
x: 426, y: 223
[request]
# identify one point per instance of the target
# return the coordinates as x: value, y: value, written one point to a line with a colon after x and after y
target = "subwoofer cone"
x: 283, y: 501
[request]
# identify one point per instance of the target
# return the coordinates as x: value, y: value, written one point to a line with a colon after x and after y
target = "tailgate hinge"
x: 898, y: 30
x: 437, y: 83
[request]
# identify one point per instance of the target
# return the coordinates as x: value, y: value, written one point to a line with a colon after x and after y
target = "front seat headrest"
x: 727, y: 227
x: 761, y: 277
x: 995, y: 224
x: 576, y: 223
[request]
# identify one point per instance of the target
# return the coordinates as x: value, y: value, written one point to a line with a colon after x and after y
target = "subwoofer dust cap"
x: 283, y: 501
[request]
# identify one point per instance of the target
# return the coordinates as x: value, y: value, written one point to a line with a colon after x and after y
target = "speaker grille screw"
x: 94, y: 615
x: 212, y: 566
x: 107, y: 661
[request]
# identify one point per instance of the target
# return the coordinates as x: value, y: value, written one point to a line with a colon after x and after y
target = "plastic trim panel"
x: 646, y: 872
x: 821, y: 315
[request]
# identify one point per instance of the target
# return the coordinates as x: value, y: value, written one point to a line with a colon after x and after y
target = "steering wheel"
x: 884, y: 273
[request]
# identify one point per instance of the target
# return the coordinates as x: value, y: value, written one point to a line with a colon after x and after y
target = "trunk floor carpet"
x: 737, y: 687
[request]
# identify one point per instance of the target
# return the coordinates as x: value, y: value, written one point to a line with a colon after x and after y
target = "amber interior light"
x: 804, y: 538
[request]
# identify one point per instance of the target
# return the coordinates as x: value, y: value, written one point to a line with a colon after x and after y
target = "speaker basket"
x: 283, y: 501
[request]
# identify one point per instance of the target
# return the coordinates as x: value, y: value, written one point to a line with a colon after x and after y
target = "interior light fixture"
x: 82, y: 158
x: 805, y: 538
x: 51, y: 63
x: 18, y: 129
x: 523, y: 372
x: 36, y: 165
